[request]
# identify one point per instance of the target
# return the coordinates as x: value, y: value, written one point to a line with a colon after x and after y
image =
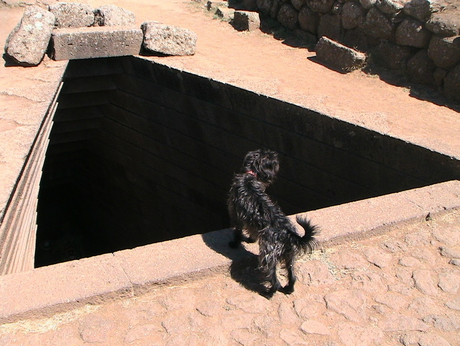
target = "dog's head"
x: 264, y: 164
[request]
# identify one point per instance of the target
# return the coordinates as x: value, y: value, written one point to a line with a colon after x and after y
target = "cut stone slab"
x: 246, y: 21
x: 339, y: 56
x: 28, y: 41
x: 95, y: 42
x: 72, y: 15
x: 111, y: 15
x: 168, y: 39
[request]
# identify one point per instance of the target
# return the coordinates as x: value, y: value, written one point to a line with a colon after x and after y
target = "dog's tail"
x: 307, y: 242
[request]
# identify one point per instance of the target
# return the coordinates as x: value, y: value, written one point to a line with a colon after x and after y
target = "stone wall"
x: 419, y: 38
x: 141, y: 152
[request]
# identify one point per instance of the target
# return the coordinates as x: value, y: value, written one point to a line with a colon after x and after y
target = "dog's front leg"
x: 237, y: 238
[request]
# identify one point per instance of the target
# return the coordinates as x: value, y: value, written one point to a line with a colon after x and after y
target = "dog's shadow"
x: 244, y: 266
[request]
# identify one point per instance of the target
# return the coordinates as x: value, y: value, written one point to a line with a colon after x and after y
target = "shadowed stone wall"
x: 141, y: 152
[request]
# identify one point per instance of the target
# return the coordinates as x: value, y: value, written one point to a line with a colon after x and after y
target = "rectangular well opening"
x: 140, y: 153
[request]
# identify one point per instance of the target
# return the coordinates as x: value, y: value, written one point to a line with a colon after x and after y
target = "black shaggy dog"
x: 252, y: 210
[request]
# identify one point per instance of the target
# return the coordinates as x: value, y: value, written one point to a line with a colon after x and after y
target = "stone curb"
x: 48, y: 290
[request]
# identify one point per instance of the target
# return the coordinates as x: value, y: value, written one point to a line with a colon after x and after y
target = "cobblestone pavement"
x: 401, y: 288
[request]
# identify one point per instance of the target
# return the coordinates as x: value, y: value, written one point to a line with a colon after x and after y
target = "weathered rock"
x: 367, y: 4
x: 394, y: 301
x: 264, y: 6
x: 95, y: 42
x: 275, y: 7
x: 349, y: 303
x: 455, y: 261
x: 111, y: 15
x: 315, y: 273
x: 398, y: 322
x: 225, y: 13
x: 409, y: 261
x: 249, y: 5
x: 445, y: 323
x: 72, y: 15
x: 390, y: 7
x: 288, y: 16
x: 454, y: 304
x: 329, y: 26
x: 308, y: 20
x: 351, y: 334
x: 353, y: 15
x: 444, y: 51
x: 339, y: 56
x: 356, y: 39
x: 320, y: 6
x: 423, y: 339
x: 420, y: 69
x: 449, y: 281
x: 452, y: 90
x: 444, y: 24
x: 95, y: 329
x: 412, y: 33
x: 424, y: 282
x: 298, y: 4
x: 378, y: 25
x: 246, y: 21
x: 439, y: 75
x: 391, y: 56
x: 314, y: 327
x: 28, y: 41
x: 450, y: 252
x: 419, y: 9
x: 377, y: 257
x: 168, y: 39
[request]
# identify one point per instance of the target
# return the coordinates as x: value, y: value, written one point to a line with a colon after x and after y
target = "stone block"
x: 321, y: 6
x: 352, y: 15
x: 444, y: 51
x: 168, y: 39
x: 419, y: 9
x: 308, y: 20
x: 246, y: 21
x: 377, y: 25
x: 391, y: 55
x: 28, y: 41
x: 72, y: 15
x: 390, y: 7
x: 111, y: 15
x: 329, y: 26
x: 444, y: 24
x: 95, y: 42
x: 339, y: 56
x: 452, y: 84
x: 288, y: 16
x: 420, y: 68
x: 412, y: 33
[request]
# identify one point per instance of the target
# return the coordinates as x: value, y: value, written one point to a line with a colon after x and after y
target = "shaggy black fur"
x: 252, y: 210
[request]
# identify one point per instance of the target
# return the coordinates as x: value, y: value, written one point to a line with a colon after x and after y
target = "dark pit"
x: 141, y: 153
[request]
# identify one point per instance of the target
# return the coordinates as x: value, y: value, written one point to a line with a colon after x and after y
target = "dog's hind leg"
x: 237, y: 238
x: 289, y: 288
x: 269, y: 273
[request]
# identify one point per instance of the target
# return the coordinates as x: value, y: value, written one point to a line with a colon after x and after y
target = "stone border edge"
x: 45, y: 291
